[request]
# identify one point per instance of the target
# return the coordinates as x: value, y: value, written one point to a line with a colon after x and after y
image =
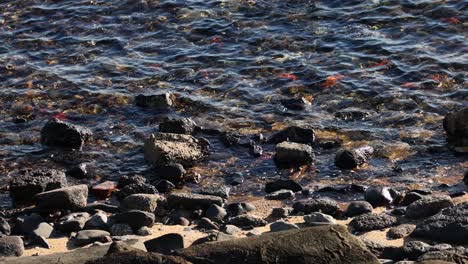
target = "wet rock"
x: 358, y: 208
x: 351, y: 159
x: 449, y: 225
x: 289, y: 154
x: 28, y: 223
x: 103, y: 190
x: 135, y: 218
x: 164, y: 186
x: 79, y: 171
x: 236, y: 209
x: 235, y: 179
x: 317, y: 218
x: 128, y: 180
x: 246, y: 221
x: 166, y: 148
x: 215, y: 213
x: 282, y: 185
x: 280, y: 195
x: 178, y: 126
x: 192, y: 200
x: 231, y: 229
x: 372, y: 221
x: 97, y: 221
x: 143, y: 231
x: 352, y: 114
x: 400, y: 231
x: 165, y: 244
x: 24, y: 187
x: 410, y: 198
x: 298, y: 104
x: 57, y: 133
x: 95, y: 207
x: 323, y: 205
x: 378, y: 196
x: 206, y: 224
x: 5, y: 228
x: 428, y: 205
x: 73, y: 222
x: 220, y: 191
x: 11, y: 246
x: 121, y: 230
x: 136, y: 188
x: 173, y: 172
x: 159, y: 102
x: 68, y: 198
x: 282, y: 226
x: 85, y: 237
x: 214, y: 237
x: 294, y: 134
x: 456, y: 126
x: 140, y: 201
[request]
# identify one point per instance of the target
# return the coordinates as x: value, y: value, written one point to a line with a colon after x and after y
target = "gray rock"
x: 371, y: 221
x: 231, y: 229
x: 350, y: 159
x: 282, y: 226
x: 43, y: 230
x: 173, y: 172
x: 358, y: 208
x: 246, y: 221
x: 317, y: 218
x: 428, y: 205
x: 221, y: 191
x: 143, y: 231
x: 213, y: 237
x: 23, y: 188
x: 121, y: 230
x: 135, y: 218
x: 98, y: 221
x: 282, y: 185
x: 280, y: 195
x: 11, y: 246
x: 289, y: 154
x: 294, y: 134
x: 378, y: 196
x: 324, y: 205
x: 400, y: 231
x: 143, y: 202
x: 28, y: 223
x: 85, y: 237
x: 69, y: 198
x: 5, y: 228
x: 206, y: 224
x: 178, y: 126
x: 215, y: 213
x: 158, y: 102
x: 192, y: 200
x: 235, y: 209
x: 127, y: 180
x: 57, y: 133
x: 73, y: 222
x: 165, y: 244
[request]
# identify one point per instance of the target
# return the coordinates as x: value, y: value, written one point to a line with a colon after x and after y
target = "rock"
x: 351, y: 159
x: 290, y: 154
x: 104, y: 190
x: 135, y: 218
x: 192, y: 200
x: 165, y: 244
x: 97, y: 221
x: 358, y: 208
x: 178, y: 126
x: 11, y: 246
x: 298, y: 104
x: 158, y: 102
x: 255, y: 150
x: 79, y: 171
x: 282, y: 185
x: 428, y: 205
x: 213, y: 237
x: 215, y: 213
x: 69, y: 198
x: 372, y: 221
x: 28, y: 223
x: 282, y: 226
x: 95, y: 207
x: 280, y: 212
x: 5, y: 228
x: 140, y: 201
x: 23, y: 188
x: 352, y: 114
x: 299, y: 246
x: 206, y: 224
x: 246, y: 221
x: 317, y: 218
x: 85, y: 237
x: 465, y: 178
x: 294, y: 134
x: 144, y: 231
x: 57, y: 133
x: 445, y: 255
x: 173, y: 172
x: 378, y: 196
x: 73, y: 222
x: 220, y: 191
x: 182, y: 221
x: 236, y: 209
x: 254, y: 232
x: 231, y: 229
x: 449, y: 225
x: 324, y: 205
x: 136, y: 188
x: 128, y: 180
x: 236, y: 178
x: 166, y: 148
x: 41, y: 241
x: 456, y: 126
x: 43, y: 230
x: 164, y: 186
x: 121, y: 230
x: 119, y: 247
x: 400, y: 231
x: 280, y: 195
x: 411, y: 197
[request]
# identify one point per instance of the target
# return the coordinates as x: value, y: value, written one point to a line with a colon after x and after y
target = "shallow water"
x: 230, y: 63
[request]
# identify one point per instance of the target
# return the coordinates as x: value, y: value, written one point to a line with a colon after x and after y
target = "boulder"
x: 428, y: 205
x: 456, y: 126
x: 281, y: 225
x: 79, y: 171
x: 97, y: 221
x: 136, y: 188
x: 378, y: 196
x: 95, y: 207
x: 85, y: 237
x: 26, y: 224
x: 290, y: 154
x: 43, y: 230
x: 280, y: 195
x: 68, y: 198
x: 221, y: 191
x: 231, y: 229
x: 213, y: 237
x: 173, y: 172
x: 5, y: 228
x: 372, y: 221
x: 178, y: 126
x: 143, y: 231
x: 400, y: 231
x: 165, y: 244
x: 11, y: 246
x: 465, y: 178
x: 158, y: 102
x: 192, y: 200
x: 294, y: 134
x: 128, y: 180
x: 58, y: 133
x: 235, y: 178
x: 140, y: 201
x: 317, y: 218
x: 351, y: 159
x: 215, y: 213
x: 206, y: 224
x: 358, y: 207
x: 235, y: 209
x: 410, y: 198
x: 246, y: 221
x: 73, y: 222
x: 135, y: 218
x: 323, y: 205
x: 121, y: 230
x: 282, y: 185
x: 104, y: 190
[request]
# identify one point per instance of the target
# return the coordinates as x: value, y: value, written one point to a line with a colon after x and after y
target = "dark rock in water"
x: 378, y: 196
x: 68, y: 198
x: 428, y: 205
x: 121, y: 230
x: 448, y: 226
x: 140, y: 201
x: 299, y: 246
x: 206, y: 224
x: 173, y: 172
x: 11, y: 246
x: 289, y: 154
x: 135, y: 218
x: 352, y: 114
x: 230, y: 139
x: 236, y: 209
x: 282, y: 226
x: 236, y: 178
x: 23, y: 188
x: 282, y: 185
x: 323, y: 205
x: 160, y: 102
x: 178, y: 126
x: 164, y: 186
x: 192, y: 200
x: 400, y: 231
x: 298, y: 104
x: 97, y: 221
x: 128, y: 180
x: 215, y: 213
x: 456, y: 126
x: 221, y: 191
x: 95, y: 207
x: 28, y: 223
x: 410, y: 198
x: 343, y: 189
x: 166, y: 148
x: 255, y: 150
x: 280, y: 195
x: 79, y: 171
x: 294, y: 134
x: 85, y: 237
x: 57, y: 133
x: 371, y: 221
x: 73, y: 222
x: 358, y: 208
x: 136, y: 188
x: 246, y: 221
x: 214, y: 237
x: 165, y: 244
x: 5, y: 228
x: 351, y: 159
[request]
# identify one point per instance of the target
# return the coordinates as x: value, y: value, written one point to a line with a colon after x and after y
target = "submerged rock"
x: 79, y: 171
x: 298, y: 104
x: 290, y: 154
x: 456, y: 126
x: 69, y: 198
x: 178, y: 126
x: 294, y: 134
x: 159, y: 102
x: 351, y: 159
x: 57, y: 133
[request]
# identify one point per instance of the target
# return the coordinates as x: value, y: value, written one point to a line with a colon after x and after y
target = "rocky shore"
x: 290, y: 224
